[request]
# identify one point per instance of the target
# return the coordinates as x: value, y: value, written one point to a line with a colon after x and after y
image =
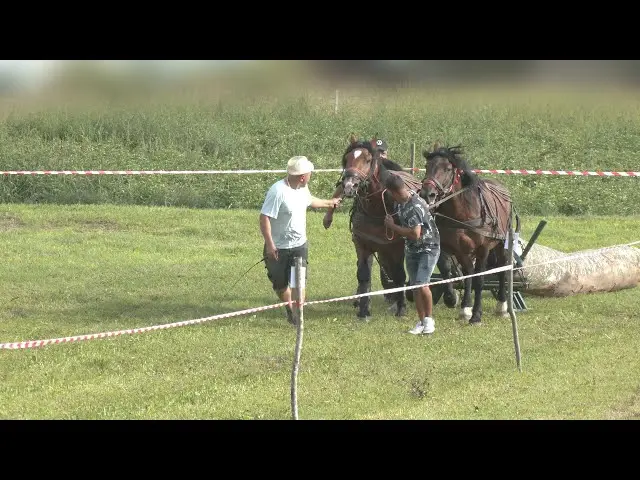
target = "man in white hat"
x: 283, y: 224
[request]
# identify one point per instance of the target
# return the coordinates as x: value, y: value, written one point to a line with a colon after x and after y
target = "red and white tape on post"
x: 214, y: 172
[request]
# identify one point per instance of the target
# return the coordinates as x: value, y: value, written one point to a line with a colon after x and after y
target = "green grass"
x: 506, y: 128
x: 71, y: 270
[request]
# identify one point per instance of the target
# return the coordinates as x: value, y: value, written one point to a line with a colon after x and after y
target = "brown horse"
x: 385, y: 279
x: 473, y: 222
x: 363, y: 181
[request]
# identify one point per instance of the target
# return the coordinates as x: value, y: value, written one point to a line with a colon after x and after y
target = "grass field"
x: 499, y: 128
x: 95, y: 254
x: 81, y: 269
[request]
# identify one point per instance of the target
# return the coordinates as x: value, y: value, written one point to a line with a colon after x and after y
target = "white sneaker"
x: 418, y: 329
x: 429, y: 326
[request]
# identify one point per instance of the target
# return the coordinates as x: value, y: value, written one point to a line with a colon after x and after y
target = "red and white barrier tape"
x: 42, y: 343
x: 402, y: 289
x: 146, y: 172
x: 560, y: 172
x: 213, y: 172
x: 567, y: 173
x: 573, y: 256
x: 77, y: 338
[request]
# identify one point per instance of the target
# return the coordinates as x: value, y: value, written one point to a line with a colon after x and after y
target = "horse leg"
x: 466, y: 263
x: 364, y: 283
x: 387, y: 283
x: 449, y: 292
x: 478, y: 284
x: 369, y: 259
x: 394, y: 264
x: 501, y: 306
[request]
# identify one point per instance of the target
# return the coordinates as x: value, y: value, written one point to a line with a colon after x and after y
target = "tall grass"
x: 508, y: 129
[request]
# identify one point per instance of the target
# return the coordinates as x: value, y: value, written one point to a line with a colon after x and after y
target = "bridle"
x: 444, y: 191
x: 445, y: 194
x: 365, y: 181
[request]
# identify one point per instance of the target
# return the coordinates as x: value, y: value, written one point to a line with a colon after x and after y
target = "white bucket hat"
x: 299, y: 165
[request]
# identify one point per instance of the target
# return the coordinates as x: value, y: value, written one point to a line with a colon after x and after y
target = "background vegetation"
x: 499, y: 128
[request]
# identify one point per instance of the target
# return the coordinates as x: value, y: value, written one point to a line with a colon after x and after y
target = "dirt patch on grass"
x: 106, y: 225
x: 629, y: 410
x: 9, y: 221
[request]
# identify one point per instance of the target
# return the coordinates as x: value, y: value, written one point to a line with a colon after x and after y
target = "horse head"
x: 446, y: 172
x: 359, y: 166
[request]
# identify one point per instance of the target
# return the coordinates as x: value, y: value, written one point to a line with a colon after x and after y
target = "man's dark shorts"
x: 279, y: 271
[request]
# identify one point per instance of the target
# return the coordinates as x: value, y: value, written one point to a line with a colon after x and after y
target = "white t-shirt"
x: 287, y: 211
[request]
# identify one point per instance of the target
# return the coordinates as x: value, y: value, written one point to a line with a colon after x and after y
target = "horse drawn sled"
x: 491, y: 281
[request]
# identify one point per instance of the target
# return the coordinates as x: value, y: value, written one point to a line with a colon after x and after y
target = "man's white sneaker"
x: 429, y: 326
x: 418, y: 329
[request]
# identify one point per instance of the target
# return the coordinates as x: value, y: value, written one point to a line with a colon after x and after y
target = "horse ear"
x: 425, y: 154
x: 352, y: 138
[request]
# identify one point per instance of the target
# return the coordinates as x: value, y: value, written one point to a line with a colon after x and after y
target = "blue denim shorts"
x: 420, y: 266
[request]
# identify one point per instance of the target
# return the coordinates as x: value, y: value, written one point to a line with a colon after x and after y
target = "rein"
x: 458, y: 222
x: 440, y: 189
x: 440, y: 202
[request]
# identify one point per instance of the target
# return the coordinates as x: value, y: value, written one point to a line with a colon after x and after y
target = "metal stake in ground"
x: 299, y: 286
x: 512, y: 314
x: 413, y: 157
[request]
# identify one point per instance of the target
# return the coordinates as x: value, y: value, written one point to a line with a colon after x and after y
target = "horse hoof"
x: 502, y: 310
x: 401, y: 312
x: 364, y: 319
x: 466, y: 313
x: 474, y: 321
x: 451, y: 300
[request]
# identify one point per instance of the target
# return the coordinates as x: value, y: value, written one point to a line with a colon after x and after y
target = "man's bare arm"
x: 332, y: 203
x: 265, y: 229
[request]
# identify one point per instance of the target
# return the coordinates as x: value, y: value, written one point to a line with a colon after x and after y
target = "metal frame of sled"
x: 520, y: 283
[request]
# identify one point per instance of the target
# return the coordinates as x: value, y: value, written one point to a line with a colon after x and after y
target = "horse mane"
x: 368, y: 145
x: 359, y: 144
x: 391, y: 165
x: 455, y: 155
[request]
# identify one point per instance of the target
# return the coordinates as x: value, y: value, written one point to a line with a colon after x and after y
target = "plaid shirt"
x: 415, y: 212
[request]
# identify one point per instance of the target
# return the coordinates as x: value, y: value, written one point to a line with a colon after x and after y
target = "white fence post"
x: 299, y: 286
x: 512, y: 313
